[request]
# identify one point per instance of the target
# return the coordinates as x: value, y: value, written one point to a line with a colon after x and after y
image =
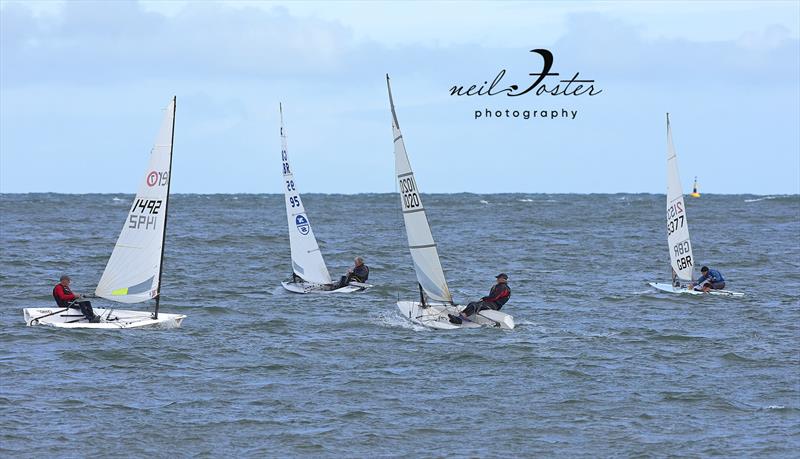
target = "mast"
x: 674, y: 274
x: 280, y: 110
x: 166, y: 207
x: 391, y: 102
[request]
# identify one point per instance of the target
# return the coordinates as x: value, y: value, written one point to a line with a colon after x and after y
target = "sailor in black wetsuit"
x: 497, y: 297
x: 359, y: 273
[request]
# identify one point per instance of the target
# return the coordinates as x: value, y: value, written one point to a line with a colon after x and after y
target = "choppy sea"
x: 599, y: 365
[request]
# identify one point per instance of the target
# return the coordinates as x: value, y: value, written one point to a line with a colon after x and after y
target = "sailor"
x: 498, y: 296
x: 710, y: 279
x: 66, y: 298
x: 359, y: 273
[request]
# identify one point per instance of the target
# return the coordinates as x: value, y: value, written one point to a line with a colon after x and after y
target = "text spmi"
x: 144, y: 214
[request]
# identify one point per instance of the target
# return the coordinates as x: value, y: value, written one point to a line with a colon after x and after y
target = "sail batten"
x: 424, y: 253
x: 680, y: 246
x: 307, y: 261
x: 132, y: 272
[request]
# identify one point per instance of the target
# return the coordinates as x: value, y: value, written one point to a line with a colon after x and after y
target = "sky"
x: 83, y: 86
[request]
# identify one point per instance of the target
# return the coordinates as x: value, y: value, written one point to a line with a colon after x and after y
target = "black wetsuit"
x: 359, y: 274
x: 497, y: 297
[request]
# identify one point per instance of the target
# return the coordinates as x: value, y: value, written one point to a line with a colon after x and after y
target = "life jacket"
x: 499, y: 295
x: 61, y: 303
x: 357, y: 273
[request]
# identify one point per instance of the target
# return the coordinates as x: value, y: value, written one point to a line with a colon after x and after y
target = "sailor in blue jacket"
x: 709, y: 279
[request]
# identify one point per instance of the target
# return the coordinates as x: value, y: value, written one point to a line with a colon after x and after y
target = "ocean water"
x: 599, y: 364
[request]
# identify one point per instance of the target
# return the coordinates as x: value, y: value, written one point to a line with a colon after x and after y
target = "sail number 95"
x: 294, y: 201
x: 408, y: 193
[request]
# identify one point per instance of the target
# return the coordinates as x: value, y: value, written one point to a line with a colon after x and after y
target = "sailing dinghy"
x: 133, y: 272
x: 680, y: 247
x: 309, y: 272
x: 435, y: 301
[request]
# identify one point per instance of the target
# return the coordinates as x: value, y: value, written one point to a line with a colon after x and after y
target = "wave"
x: 767, y: 198
x: 734, y: 357
x: 394, y: 320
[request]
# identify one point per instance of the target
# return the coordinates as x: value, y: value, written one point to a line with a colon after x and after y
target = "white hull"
x: 111, y: 318
x: 435, y: 316
x: 669, y: 288
x: 310, y: 287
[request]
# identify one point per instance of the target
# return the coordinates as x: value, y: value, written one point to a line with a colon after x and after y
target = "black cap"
x: 704, y: 269
x: 503, y: 275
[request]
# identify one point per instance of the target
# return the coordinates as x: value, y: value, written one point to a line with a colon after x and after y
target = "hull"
x: 309, y: 287
x: 111, y: 318
x: 669, y: 288
x: 435, y: 316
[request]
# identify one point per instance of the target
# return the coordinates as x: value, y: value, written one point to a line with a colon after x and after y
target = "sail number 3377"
x: 408, y: 193
x: 675, y: 218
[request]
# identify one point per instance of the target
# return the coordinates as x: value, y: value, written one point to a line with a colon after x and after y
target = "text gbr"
x: 513, y: 90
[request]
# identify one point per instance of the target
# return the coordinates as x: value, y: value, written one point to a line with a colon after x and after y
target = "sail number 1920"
x: 408, y: 193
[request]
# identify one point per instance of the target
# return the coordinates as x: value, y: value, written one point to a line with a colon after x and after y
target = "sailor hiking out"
x: 711, y: 279
x: 497, y: 297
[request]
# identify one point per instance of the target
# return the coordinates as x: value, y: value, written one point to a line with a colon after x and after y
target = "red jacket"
x: 63, y: 295
x: 499, y: 294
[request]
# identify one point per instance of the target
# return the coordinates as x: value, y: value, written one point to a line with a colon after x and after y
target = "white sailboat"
x: 309, y: 272
x: 435, y: 301
x: 680, y: 246
x: 133, y: 272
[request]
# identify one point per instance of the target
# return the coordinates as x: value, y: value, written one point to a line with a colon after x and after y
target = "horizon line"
x: 395, y: 192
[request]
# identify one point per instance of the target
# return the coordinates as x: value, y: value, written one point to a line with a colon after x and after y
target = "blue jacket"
x: 713, y: 275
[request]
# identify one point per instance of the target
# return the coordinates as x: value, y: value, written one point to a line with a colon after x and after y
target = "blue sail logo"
x: 302, y: 224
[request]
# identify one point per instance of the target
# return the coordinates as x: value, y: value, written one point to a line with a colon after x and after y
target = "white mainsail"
x: 680, y: 248
x: 420, y: 240
x: 307, y: 260
x: 132, y: 272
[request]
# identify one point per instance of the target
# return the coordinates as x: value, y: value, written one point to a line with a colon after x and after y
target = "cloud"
x: 87, y: 80
x: 98, y: 42
x: 618, y: 50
